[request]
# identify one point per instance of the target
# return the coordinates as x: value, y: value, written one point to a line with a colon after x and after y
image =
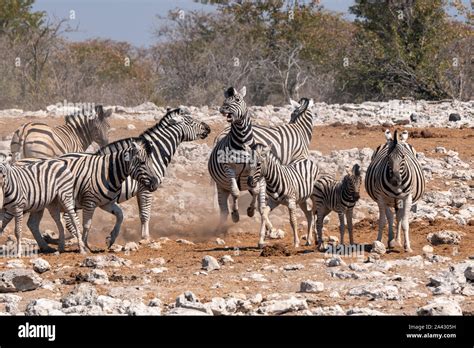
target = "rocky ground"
x: 189, y: 269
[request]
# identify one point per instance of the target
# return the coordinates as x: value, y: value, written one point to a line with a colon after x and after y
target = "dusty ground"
x: 183, y: 261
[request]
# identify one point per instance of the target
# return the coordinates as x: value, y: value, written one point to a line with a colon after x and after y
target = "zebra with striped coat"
x: 38, y: 140
x: 339, y: 196
x: 290, y: 185
x: 175, y: 127
x: 395, y: 179
x: 98, y: 179
x: 288, y: 142
x: 33, y: 187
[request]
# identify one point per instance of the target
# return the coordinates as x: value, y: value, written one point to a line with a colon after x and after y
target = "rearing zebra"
x: 38, y: 140
x: 288, y: 142
x: 394, y: 178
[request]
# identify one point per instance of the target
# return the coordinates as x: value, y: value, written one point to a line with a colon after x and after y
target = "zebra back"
x: 38, y: 140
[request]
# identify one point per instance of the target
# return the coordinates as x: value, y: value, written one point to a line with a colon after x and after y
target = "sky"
x: 128, y: 20
x: 132, y: 20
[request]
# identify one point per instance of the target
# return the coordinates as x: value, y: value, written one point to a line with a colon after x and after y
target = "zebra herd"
x: 49, y: 169
x: 275, y: 167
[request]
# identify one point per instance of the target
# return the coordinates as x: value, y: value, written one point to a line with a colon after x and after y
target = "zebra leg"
x: 7, y: 217
x: 309, y: 219
x: 253, y: 203
x: 222, y: 198
x: 389, y: 214
x: 55, y: 213
x: 399, y: 217
x: 33, y: 224
x: 265, y: 224
x: 114, y: 209
x: 293, y: 222
x: 144, y: 199
x: 321, y: 213
x: 18, y: 223
x: 349, y: 225
x: 382, y: 219
x: 235, y: 208
x: 342, y: 226
x: 405, y: 223
x: 87, y: 214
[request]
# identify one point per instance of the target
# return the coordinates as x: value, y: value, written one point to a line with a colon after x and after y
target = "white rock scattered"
x: 277, y: 307
x: 40, y: 265
x: 98, y: 277
x: 444, y: 237
x: 335, y: 261
x: 428, y: 250
x: 330, y: 310
x: 19, y: 280
x: 294, y: 267
x: 363, y: 311
x: 184, y: 241
x: 276, y: 234
x: 220, y: 241
x: 83, y: 294
x: 131, y: 127
x: 131, y: 246
x: 226, y: 259
x: 43, y: 306
x: 311, y: 286
x: 209, y: 263
x: 376, y: 292
x: 443, y: 307
x: 103, y: 261
x: 378, y: 247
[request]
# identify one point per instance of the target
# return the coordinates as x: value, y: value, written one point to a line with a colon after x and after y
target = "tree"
x: 399, y: 45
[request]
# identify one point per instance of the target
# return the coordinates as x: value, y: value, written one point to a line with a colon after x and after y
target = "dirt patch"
x: 276, y: 250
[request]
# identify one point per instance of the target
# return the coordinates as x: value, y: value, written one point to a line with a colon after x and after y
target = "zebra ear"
x: 294, y: 104
x: 404, y: 136
x: 230, y: 92
x: 243, y: 91
x: 310, y: 103
x: 388, y: 135
x: 356, y: 170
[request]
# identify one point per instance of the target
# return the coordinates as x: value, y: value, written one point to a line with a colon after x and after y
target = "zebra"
x: 38, y: 140
x: 289, y: 185
x: 33, y: 187
x: 174, y: 127
x: 395, y: 179
x: 339, y: 196
x: 288, y: 142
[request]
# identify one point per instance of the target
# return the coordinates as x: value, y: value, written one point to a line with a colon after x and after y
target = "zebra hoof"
x: 393, y: 243
x: 261, y: 245
x: 47, y: 250
x: 408, y: 250
x: 250, y: 212
x: 235, y: 216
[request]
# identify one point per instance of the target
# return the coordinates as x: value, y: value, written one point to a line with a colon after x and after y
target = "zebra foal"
x: 290, y: 185
x: 339, y: 196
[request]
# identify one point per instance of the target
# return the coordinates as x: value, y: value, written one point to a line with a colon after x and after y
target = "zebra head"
x: 140, y: 164
x: 396, y: 161
x: 301, y: 107
x: 99, y: 125
x: 259, y: 154
x: 351, y: 185
x: 234, y: 107
x: 189, y: 129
